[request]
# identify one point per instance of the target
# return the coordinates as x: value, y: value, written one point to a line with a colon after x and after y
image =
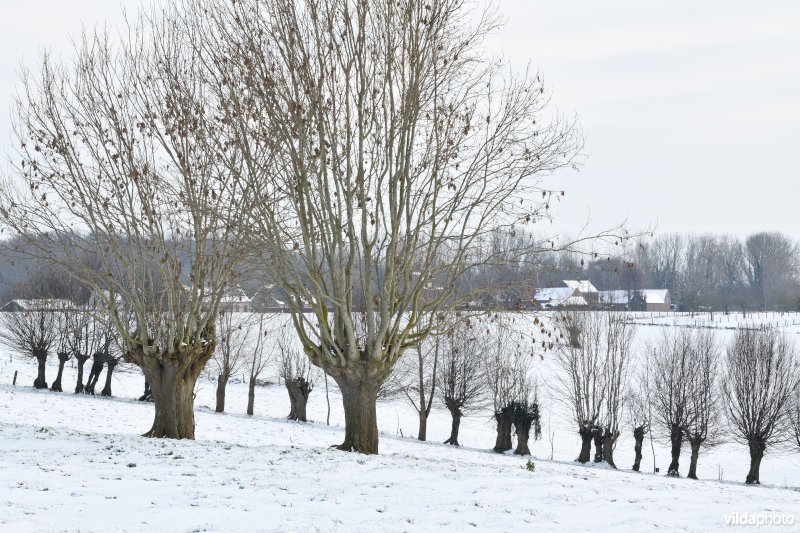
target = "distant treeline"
x: 702, y: 272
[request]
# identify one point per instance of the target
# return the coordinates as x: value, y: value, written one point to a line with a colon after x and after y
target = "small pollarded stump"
x: 111, y: 363
x: 98, y: 362
x: 526, y: 417
x: 455, y: 414
x: 505, y: 421
x: 63, y: 357
x: 638, y: 437
x: 299, y: 390
x: 81, y: 359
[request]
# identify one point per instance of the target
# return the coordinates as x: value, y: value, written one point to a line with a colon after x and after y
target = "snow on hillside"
x: 71, y: 463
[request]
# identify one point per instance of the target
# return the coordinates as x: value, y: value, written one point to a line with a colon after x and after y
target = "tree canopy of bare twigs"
x: 593, y: 356
x: 461, y: 372
x: 761, y: 375
x: 297, y: 373
x: 514, y: 390
x: 123, y: 181
x: 230, y: 355
x: 673, y: 365
x: 388, y: 146
x: 703, y: 427
x: 259, y: 356
x: 33, y: 334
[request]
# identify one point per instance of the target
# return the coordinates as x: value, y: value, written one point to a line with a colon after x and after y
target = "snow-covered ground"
x: 73, y: 462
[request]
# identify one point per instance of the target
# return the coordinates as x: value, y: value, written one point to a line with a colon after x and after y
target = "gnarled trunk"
x: 597, y: 436
x: 585, y: 432
x: 456, y: 414
x: 110, y: 365
x: 222, y: 383
x: 172, y: 378
x: 609, y: 440
x: 40, y: 382
x: 251, y: 395
x: 299, y: 390
x: 79, y: 388
x: 676, y: 439
x: 505, y: 421
x: 63, y: 357
x: 94, y: 373
x: 359, y: 397
x: 695, y: 444
x: 638, y: 437
x: 522, y: 427
x: 172, y: 387
x: 757, y: 449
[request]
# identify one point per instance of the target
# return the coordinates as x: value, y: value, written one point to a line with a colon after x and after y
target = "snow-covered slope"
x: 72, y: 462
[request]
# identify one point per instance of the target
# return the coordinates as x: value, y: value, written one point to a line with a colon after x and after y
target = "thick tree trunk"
x: 292, y: 404
x: 757, y: 449
x: 585, y: 432
x: 597, y: 436
x: 522, y: 428
x: 505, y: 421
x: 299, y: 390
x: 693, y: 461
x: 173, y: 395
x: 251, y: 395
x: 609, y: 440
x: 222, y: 383
x: 422, y: 434
x: 62, y: 360
x: 676, y: 438
x: 110, y: 365
x: 300, y: 402
x: 638, y: 437
x: 40, y: 382
x: 359, y: 396
x: 79, y: 389
x: 456, y: 414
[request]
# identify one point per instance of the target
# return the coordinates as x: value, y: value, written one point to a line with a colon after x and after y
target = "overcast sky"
x: 691, y: 110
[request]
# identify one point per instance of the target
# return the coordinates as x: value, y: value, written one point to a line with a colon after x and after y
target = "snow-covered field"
x: 70, y: 462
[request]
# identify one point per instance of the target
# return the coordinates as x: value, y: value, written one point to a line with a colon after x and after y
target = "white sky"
x: 691, y: 109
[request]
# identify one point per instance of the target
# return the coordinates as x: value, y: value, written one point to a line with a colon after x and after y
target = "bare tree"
x: 794, y: 416
x: 419, y: 377
x: 672, y: 367
x: 387, y: 145
x: 65, y: 324
x: 124, y: 157
x: 298, y: 375
x: 761, y: 376
x: 259, y: 359
x: 639, y: 411
x: 593, y: 357
x: 32, y: 333
x: 514, y: 392
x: 579, y: 360
x: 461, y: 373
x: 90, y: 336
x: 703, y: 425
x: 230, y: 355
x: 619, y: 334
x: 772, y: 262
